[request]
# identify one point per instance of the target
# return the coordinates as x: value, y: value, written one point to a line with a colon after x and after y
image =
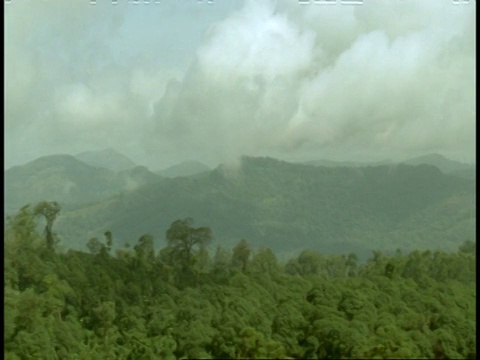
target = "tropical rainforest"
x: 284, y: 206
x: 188, y: 300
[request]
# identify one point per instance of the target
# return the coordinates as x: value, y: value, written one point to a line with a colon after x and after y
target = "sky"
x: 165, y: 81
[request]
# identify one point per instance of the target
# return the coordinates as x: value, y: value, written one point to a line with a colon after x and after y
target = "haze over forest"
x: 423, y: 203
x: 167, y: 82
x: 239, y: 179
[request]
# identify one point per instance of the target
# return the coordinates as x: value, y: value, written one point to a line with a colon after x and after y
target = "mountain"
x: 289, y: 206
x: 467, y: 173
x: 332, y: 163
x: 445, y: 165
x: 69, y: 181
x: 186, y: 168
x: 107, y: 158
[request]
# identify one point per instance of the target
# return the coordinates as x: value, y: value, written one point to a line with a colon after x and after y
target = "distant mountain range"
x: 289, y: 206
x: 332, y: 163
x: 269, y: 202
x: 107, y: 158
x: 69, y: 181
x: 447, y: 166
x: 186, y: 168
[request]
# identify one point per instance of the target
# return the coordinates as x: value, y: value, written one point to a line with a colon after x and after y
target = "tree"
x: 265, y: 262
x: 389, y: 270
x: 50, y: 211
x: 311, y: 262
x: 184, y: 242
x: 468, y: 247
x: 105, y: 315
x: 21, y: 227
x: 351, y: 264
x: 221, y: 259
x: 108, y: 239
x: 95, y: 246
x: 144, y: 249
x: 24, y: 266
x: 241, y: 254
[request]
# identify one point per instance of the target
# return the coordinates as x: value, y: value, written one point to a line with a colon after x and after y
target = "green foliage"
x: 186, y: 250
x: 144, y: 249
x: 286, y: 207
x: 70, y: 181
x: 95, y: 246
x: 468, y: 247
x: 137, y: 305
x: 241, y: 255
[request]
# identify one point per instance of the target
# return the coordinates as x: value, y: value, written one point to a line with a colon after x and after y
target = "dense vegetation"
x: 287, y: 206
x: 183, y: 302
x: 107, y: 158
x: 69, y: 181
x: 277, y: 204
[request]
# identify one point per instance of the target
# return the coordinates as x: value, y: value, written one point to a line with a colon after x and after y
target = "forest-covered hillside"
x: 289, y: 206
x: 447, y: 166
x: 186, y: 168
x: 68, y: 180
x: 189, y: 300
x: 107, y: 158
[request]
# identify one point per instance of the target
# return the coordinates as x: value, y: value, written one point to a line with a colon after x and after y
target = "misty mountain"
x: 467, y: 173
x: 445, y: 165
x: 289, y: 206
x: 107, y: 158
x: 333, y: 163
x: 69, y: 181
x: 186, y: 168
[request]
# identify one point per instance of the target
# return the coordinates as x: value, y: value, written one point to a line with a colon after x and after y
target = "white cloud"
x: 383, y: 79
x: 256, y: 42
x: 275, y: 78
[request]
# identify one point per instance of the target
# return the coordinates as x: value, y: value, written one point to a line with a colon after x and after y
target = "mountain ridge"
x: 107, y: 158
x: 68, y: 180
x: 444, y: 164
x: 287, y: 206
x: 269, y: 201
x: 184, y: 168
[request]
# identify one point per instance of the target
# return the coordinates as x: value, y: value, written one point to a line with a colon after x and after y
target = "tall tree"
x: 144, y: 248
x: 241, y: 254
x: 185, y: 242
x: 50, y: 211
x: 109, y: 240
x: 95, y: 246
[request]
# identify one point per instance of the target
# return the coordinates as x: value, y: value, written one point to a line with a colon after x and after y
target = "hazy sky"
x: 170, y: 80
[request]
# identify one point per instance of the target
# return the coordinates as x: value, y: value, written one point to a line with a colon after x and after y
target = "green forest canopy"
x: 182, y: 302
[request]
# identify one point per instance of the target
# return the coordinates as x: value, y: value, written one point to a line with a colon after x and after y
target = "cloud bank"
x: 380, y: 80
